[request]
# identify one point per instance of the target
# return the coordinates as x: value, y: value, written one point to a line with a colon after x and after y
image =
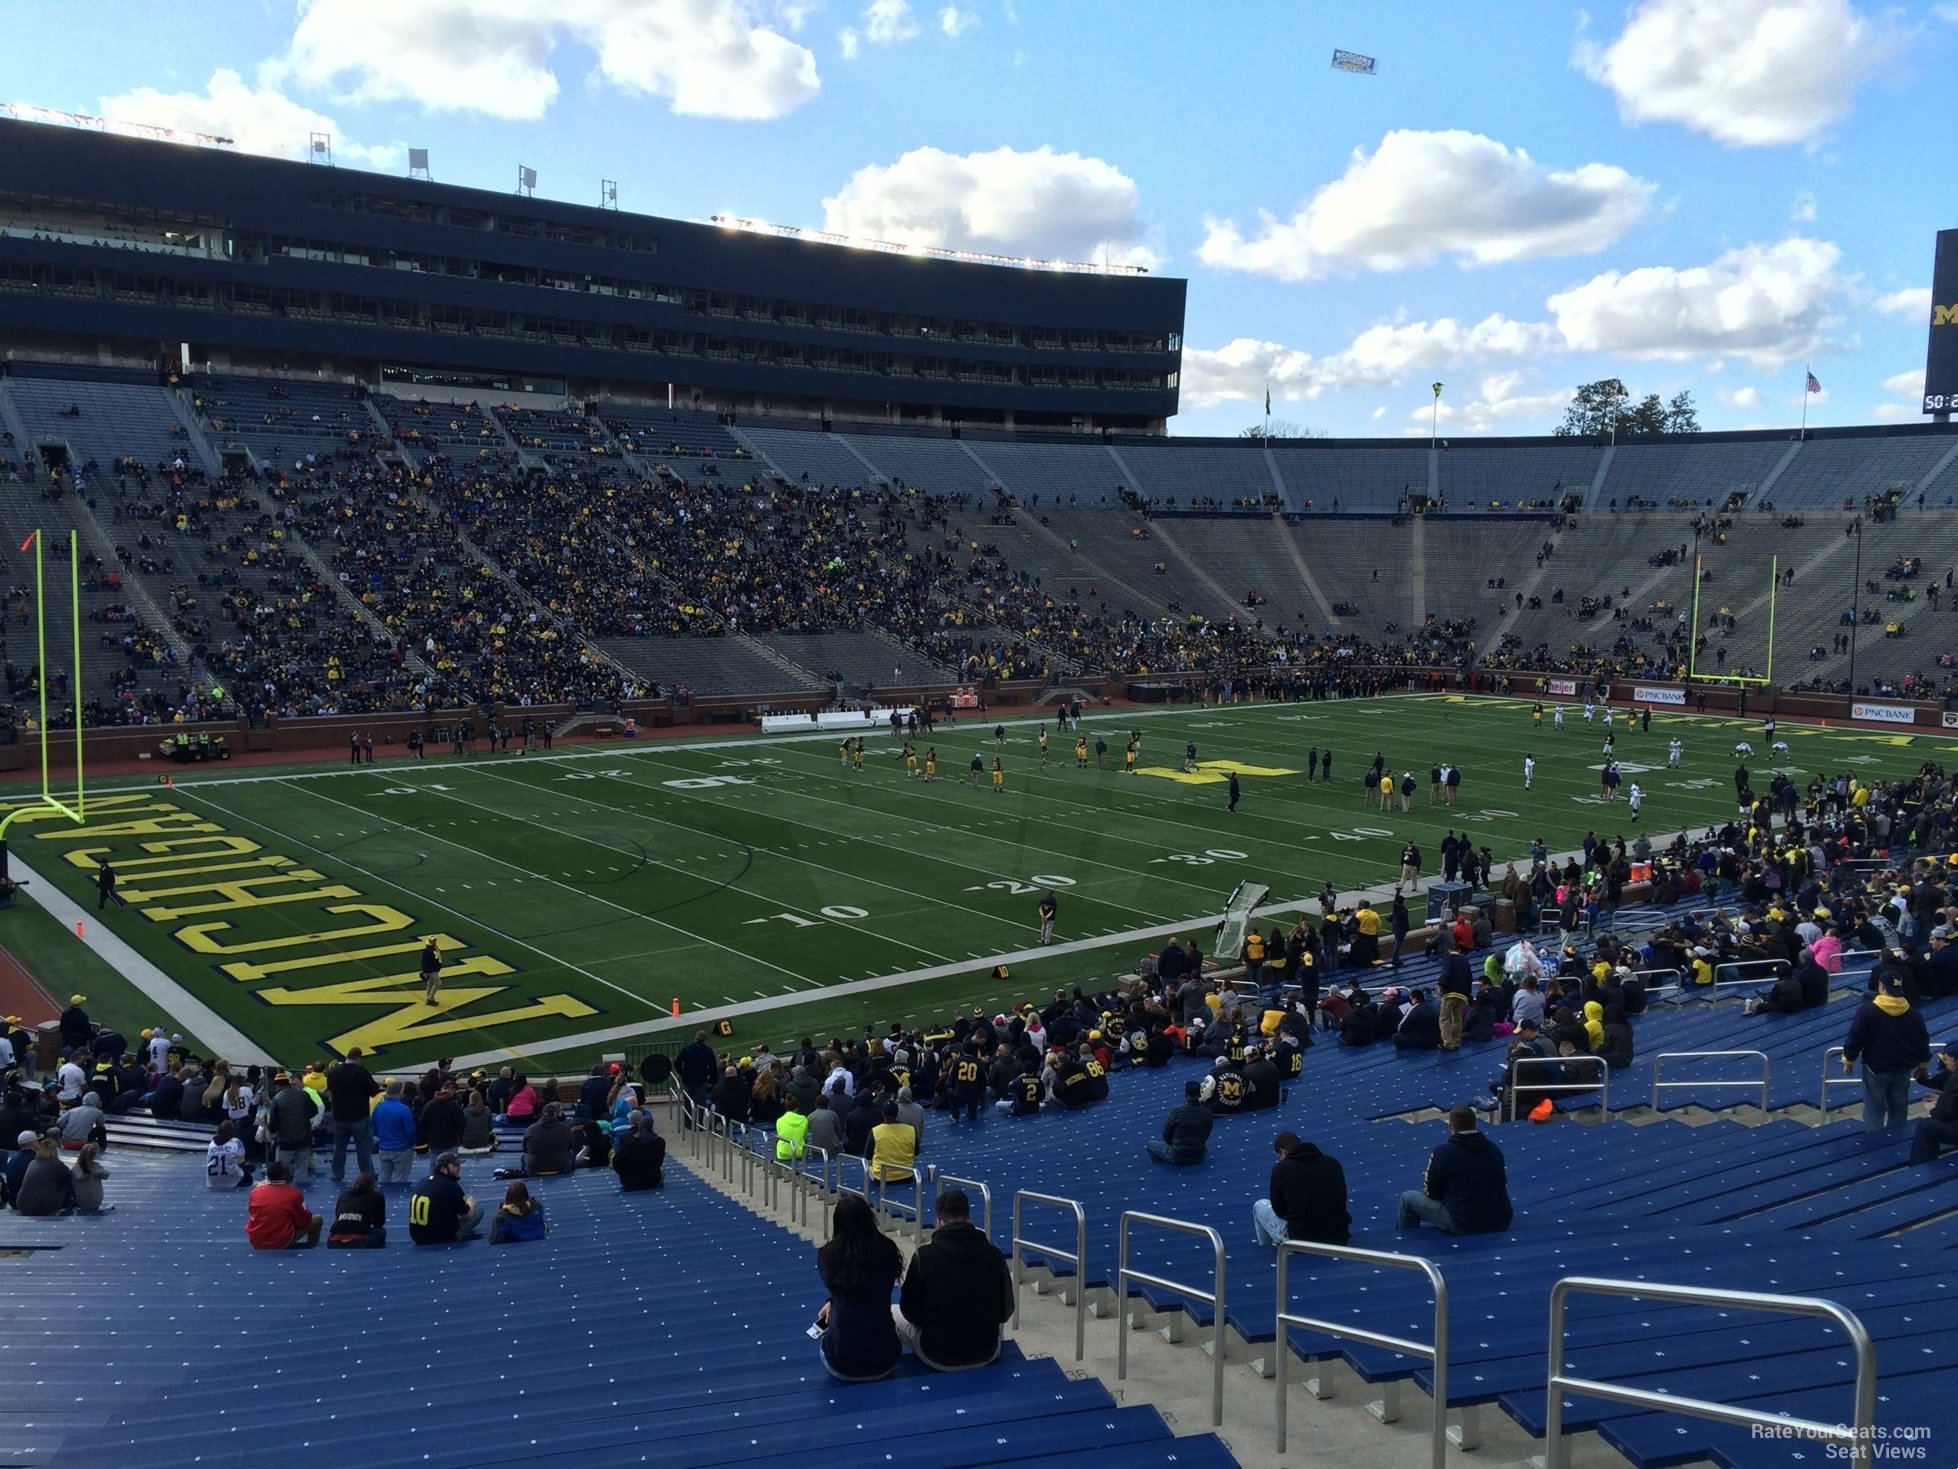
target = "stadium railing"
x: 1078, y: 1258
x: 1659, y: 1062
x: 1834, y: 1077
x: 1387, y: 1410
x: 1214, y: 1297
x: 1854, y: 1441
x: 941, y: 1181
x: 1603, y: 1087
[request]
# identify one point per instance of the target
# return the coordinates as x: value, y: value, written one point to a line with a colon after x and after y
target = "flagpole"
x: 1806, y: 377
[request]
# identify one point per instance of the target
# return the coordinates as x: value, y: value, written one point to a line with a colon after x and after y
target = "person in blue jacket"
x: 1466, y: 1188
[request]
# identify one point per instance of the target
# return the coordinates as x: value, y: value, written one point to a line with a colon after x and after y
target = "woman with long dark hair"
x: 860, y: 1267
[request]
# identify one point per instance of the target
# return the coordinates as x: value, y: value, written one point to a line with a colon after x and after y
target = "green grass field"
x: 577, y: 895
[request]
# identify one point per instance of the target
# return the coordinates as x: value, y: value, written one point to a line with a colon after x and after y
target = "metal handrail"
x: 1776, y: 967
x: 1079, y: 1260
x: 1838, y: 1080
x: 941, y: 1181
x: 1658, y: 1063
x: 1435, y: 1351
x: 1603, y: 1087
x: 917, y: 1204
x: 1124, y: 1277
x: 1856, y: 1438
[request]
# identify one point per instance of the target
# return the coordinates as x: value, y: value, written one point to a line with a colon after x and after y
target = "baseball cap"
x: 78, y: 999
x: 28, y: 1137
x: 447, y: 1158
x: 1949, y: 1048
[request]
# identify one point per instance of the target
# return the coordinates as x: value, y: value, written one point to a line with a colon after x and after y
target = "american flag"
x: 1814, y: 383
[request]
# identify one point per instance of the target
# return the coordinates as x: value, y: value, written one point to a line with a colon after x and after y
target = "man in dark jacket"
x: 350, y: 1093
x: 859, y: 1122
x: 548, y: 1144
x: 76, y: 1029
x: 1466, y: 1188
x: 957, y: 1293
x: 731, y: 1097
x: 1187, y: 1131
x: 640, y: 1156
x: 1306, y: 1199
x: 694, y: 1065
x: 1939, y: 1130
x: 1420, y: 1028
x: 291, y: 1123
x: 1889, y: 1038
x: 1261, y: 1080
x: 440, y: 1213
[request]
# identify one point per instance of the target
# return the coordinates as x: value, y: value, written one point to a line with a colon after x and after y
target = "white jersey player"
x: 1781, y: 747
x: 1637, y: 798
x: 1529, y: 770
x: 1558, y: 716
x: 1607, y: 716
x: 1673, y: 753
x: 1587, y: 713
x: 1743, y: 749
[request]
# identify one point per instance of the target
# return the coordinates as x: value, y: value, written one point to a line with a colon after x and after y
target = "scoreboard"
x: 1941, y: 357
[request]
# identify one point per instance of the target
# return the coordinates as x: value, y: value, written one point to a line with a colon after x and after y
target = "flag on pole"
x: 28, y: 542
x: 1814, y: 383
x: 1267, y: 400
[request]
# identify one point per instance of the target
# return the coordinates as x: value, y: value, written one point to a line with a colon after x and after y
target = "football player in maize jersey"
x: 931, y: 762
x: 843, y: 756
x: 1129, y: 754
x: 1043, y: 745
x: 1080, y: 752
x: 910, y: 760
x: 856, y: 754
x: 999, y: 775
x: 968, y: 1083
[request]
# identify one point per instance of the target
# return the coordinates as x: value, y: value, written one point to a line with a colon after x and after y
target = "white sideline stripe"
x: 218, y: 1035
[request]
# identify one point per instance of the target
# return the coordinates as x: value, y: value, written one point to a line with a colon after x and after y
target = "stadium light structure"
x: 745, y: 225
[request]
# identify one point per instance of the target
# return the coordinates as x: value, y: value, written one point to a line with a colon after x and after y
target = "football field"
x: 579, y: 896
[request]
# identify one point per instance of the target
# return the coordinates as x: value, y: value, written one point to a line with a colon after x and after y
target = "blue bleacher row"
x: 1782, y: 1207
x: 649, y: 1328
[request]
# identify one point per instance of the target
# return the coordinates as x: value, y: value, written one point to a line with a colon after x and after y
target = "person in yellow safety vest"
x: 893, y: 1148
x: 791, y: 1131
x: 1254, y: 956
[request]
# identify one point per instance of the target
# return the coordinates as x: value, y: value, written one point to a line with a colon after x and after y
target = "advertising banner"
x: 1567, y: 687
x: 1641, y: 694
x: 1884, y: 713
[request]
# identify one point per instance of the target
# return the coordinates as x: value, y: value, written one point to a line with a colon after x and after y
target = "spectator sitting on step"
x: 1261, y: 1080
x: 825, y: 1128
x: 860, y: 1267
x: 47, y: 1186
x: 1938, y: 1129
x: 478, y: 1126
x: 893, y: 1149
x: 276, y: 1216
x: 860, y: 1122
x: 1186, y: 1132
x: 84, y: 1123
x: 224, y: 1161
x: 594, y: 1145
x: 18, y: 1162
x: 440, y: 1213
x: 1420, y: 1027
x: 1465, y: 1189
x: 1306, y: 1198
x: 359, y: 1217
x: 730, y: 1097
x: 548, y: 1144
x: 90, y: 1175
x: 440, y: 1125
x: 957, y: 1293
x: 520, y: 1219
x: 639, y: 1156
x: 524, y: 1104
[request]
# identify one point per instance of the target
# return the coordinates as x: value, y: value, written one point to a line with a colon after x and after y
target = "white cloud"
x: 1804, y: 208
x: 1749, y: 397
x: 1012, y: 202
x: 1766, y: 303
x: 1498, y: 399
x: 850, y: 43
x: 708, y: 58
x: 1946, y: 12
x: 1421, y: 195
x: 1907, y: 389
x: 1381, y: 356
x: 1750, y: 73
x: 888, y: 22
x: 259, y: 119
x: 1913, y: 302
x: 956, y: 22
x: 1380, y: 412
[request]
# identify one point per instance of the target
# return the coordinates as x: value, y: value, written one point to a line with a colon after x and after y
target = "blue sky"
x: 1699, y: 194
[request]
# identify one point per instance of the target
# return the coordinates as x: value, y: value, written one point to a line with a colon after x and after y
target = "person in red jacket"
x: 276, y: 1216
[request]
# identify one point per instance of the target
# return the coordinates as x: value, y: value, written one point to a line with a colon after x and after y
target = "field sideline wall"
x: 328, y: 736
